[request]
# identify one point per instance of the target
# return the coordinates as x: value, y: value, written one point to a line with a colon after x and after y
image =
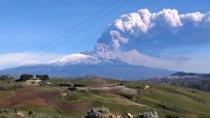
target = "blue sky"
x: 69, y: 26
x: 28, y: 25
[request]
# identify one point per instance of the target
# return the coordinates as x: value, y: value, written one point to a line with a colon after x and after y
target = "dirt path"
x: 120, y: 90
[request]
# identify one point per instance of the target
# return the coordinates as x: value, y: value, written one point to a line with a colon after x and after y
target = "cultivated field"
x: 131, y: 97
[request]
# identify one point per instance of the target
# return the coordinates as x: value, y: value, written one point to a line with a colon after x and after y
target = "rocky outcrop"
x: 98, y: 112
x: 102, y: 112
x: 153, y: 114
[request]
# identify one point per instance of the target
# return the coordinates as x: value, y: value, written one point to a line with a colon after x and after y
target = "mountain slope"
x: 81, y: 65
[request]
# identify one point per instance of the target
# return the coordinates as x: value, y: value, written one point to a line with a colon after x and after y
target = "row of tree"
x: 5, y: 77
x: 25, y: 77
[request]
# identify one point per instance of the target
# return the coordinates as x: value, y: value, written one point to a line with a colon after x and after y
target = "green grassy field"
x: 177, y: 101
x: 169, y: 101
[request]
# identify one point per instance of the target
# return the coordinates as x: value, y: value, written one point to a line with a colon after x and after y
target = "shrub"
x: 43, y: 77
x: 25, y: 77
x: 30, y: 113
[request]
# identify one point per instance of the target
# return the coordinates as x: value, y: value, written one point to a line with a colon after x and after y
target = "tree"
x: 25, y: 77
x: 43, y: 77
x: 5, y: 77
x: 30, y: 112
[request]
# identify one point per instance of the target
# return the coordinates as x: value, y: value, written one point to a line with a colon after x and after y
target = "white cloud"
x: 192, y: 17
x: 168, y: 16
x: 191, y: 63
x: 19, y: 59
x: 168, y: 23
x: 197, y: 62
x: 117, y: 39
x: 136, y: 33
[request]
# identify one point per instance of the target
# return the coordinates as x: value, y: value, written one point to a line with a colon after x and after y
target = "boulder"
x: 98, y: 112
x: 153, y: 114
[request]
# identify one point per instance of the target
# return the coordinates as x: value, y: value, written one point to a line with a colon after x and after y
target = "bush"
x: 43, y: 77
x: 25, y: 77
x: 5, y: 77
x: 30, y: 113
x: 172, y: 116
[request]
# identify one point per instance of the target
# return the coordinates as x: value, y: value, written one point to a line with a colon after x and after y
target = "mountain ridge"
x: 77, y: 65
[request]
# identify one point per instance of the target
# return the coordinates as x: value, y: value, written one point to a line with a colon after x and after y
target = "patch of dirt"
x: 52, y: 99
x: 29, y: 97
x: 23, y: 97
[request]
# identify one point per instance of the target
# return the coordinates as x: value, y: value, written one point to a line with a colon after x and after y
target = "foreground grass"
x: 167, y: 100
x: 176, y: 101
x: 40, y: 112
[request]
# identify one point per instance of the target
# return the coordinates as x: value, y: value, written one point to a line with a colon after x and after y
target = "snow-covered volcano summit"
x: 80, y: 64
x: 79, y: 58
x: 82, y: 58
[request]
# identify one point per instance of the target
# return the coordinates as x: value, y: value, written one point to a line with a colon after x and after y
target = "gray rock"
x: 153, y: 114
x: 98, y: 112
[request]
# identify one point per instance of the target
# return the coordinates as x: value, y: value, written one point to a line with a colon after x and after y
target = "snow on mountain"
x: 82, y: 58
x: 80, y: 64
x: 78, y: 58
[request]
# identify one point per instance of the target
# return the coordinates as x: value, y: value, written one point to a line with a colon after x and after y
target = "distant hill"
x: 198, y: 81
x: 81, y: 65
x: 191, y: 74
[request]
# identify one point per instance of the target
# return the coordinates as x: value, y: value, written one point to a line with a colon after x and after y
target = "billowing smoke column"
x: 166, y: 26
x: 134, y: 37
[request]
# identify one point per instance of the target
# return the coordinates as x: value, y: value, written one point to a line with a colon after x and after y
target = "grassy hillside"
x: 47, y: 101
x: 176, y: 101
